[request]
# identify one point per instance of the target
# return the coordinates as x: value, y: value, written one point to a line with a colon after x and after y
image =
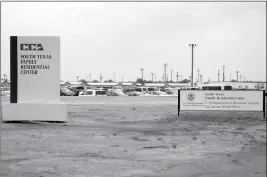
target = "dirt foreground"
x: 136, y: 137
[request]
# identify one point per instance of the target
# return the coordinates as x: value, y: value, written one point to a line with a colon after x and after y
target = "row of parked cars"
x: 140, y: 91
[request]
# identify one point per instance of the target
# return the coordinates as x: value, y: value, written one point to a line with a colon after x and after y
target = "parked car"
x: 66, y: 92
x: 5, y: 91
x: 76, y: 89
x: 91, y: 92
x: 116, y: 92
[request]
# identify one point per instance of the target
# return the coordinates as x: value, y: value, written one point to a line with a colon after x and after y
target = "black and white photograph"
x: 133, y: 89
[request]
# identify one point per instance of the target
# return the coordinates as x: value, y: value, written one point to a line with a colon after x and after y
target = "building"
x: 5, y: 83
x: 64, y: 84
x: 76, y: 83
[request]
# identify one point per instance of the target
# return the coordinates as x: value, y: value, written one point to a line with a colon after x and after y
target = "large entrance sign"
x: 227, y: 100
x: 34, y: 80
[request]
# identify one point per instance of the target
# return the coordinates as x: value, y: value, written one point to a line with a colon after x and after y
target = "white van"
x: 91, y: 92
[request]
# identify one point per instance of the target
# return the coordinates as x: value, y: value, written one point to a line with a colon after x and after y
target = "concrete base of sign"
x: 35, y: 112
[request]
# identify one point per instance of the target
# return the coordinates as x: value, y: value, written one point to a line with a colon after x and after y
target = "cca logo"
x: 31, y: 47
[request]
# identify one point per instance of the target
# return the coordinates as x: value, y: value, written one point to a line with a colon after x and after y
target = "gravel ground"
x: 136, y: 137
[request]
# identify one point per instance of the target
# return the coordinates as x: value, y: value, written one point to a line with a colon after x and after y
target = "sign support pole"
x: 178, y: 103
x: 264, y: 108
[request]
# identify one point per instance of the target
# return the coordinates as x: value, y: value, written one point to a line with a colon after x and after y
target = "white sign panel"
x: 221, y: 100
x: 38, y: 69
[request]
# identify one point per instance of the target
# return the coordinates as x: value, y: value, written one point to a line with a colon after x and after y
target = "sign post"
x: 34, y: 80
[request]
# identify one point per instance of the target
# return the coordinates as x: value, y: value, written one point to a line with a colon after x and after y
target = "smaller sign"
x: 221, y: 100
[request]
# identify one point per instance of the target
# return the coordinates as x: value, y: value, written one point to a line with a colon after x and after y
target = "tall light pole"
x: 101, y: 77
x: 192, y: 70
x: 165, y: 71
x: 237, y: 75
x: 198, y: 75
x: 218, y: 75
x: 142, y: 72
x: 177, y: 76
x: 152, y: 76
x: 5, y: 77
x: 171, y: 75
x: 223, y: 73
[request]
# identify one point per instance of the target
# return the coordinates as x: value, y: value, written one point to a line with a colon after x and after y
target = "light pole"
x: 177, y: 76
x: 142, y: 70
x: 152, y: 76
x: 171, y: 75
x: 165, y: 72
x: 101, y: 77
x: 237, y: 75
x: 218, y: 75
x: 198, y: 75
x: 192, y: 70
x: 223, y: 73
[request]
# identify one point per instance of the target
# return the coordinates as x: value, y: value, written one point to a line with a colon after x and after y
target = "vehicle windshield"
x: 138, y: 90
x: 100, y: 93
x: 87, y: 92
x: 150, y: 89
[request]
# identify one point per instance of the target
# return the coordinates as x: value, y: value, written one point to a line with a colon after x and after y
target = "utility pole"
x: 218, y: 75
x: 114, y: 77
x: 177, y: 76
x: 223, y: 73
x: 201, y: 78
x: 77, y: 78
x: 192, y: 70
x: 101, y: 77
x: 142, y: 72
x: 198, y: 75
x: 165, y: 72
x: 152, y: 76
x: 171, y: 75
x: 237, y: 75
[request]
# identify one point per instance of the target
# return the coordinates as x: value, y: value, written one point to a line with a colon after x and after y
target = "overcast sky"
x: 122, y: 37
